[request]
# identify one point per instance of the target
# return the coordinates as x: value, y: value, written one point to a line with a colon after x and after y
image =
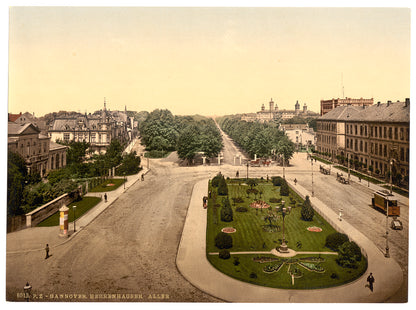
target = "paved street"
x: 131, y: 247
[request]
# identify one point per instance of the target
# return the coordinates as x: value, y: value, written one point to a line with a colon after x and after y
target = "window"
x: 380, y: 132
x: 385, y: 132
x: 390, y: 133
x: 93, y: 137
x: 356, y: 129
x: 361, y: 146
x: 385, y: 150
x: 396, y: 133
x: 401, y: 134
x: 66, y: 136
x: 401, y: 154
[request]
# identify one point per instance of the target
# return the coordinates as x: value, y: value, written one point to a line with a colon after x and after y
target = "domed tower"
x: 305, y: 108
x: 271, y: 105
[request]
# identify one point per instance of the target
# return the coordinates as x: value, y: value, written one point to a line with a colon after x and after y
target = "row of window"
x: 377, y: 149
x: 84, y: 137
x: 382, y: 132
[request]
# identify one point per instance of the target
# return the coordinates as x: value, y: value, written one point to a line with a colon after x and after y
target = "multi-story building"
x: 98, y: 129
x: 39, y: 153
x: 376, y: 135
x: 328, y: 105
x: 300, y: 134
x: 273, y: 112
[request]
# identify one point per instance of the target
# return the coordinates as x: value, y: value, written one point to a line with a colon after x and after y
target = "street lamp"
x: 27, y: 288
x: 387, y: 255
x: 312, y: 176
x: 124, y: 180
x: 284, y: 211
x: 73, y: 208
x: 247, y: 167
x: 348, y: 161
x: 283, y: 166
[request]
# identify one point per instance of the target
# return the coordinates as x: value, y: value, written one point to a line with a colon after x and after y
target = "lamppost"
x: 124, y: 180
x: 73, y: 208
x: 312, y: 176
x: 27, y: 288
x: 284, y: 211
x: 387, y: 255
x: 283, y: 166
x: 348, y: 160
x: 248, y: 164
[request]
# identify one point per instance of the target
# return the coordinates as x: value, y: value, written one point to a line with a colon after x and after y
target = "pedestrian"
x: 237, y: 174
x: 105, y: 197
x: 370, y: 280
x: 47, y: 251
x: 142, y: 177
x: 295, y: 181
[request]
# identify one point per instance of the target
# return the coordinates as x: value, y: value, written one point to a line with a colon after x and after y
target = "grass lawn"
x: 253, y: 234
x: 82, y: 206
x: 107, y: 186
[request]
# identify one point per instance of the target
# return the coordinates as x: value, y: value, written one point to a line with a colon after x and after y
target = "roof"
x: 14, y: 117
x: 56, y: 146
x: 392, y: 112
x: 18, y: 129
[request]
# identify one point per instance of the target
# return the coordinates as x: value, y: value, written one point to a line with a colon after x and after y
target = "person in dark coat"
x: 105, y: 197
x: 47, y: 251
x: 370, y: 280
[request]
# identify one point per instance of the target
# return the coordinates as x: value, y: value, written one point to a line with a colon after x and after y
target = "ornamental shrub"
x: 223, y: 240
x: 241, y: 209
x: 226, y: 211
x: 284, y: 188
x: 335, y: 240
x: 215, y: 180
x: 222, y: 187
x: 307, y: 211
x: 277, y: 181
x: 224, y: 254
x: 275, y: 200
x: 349, y: 255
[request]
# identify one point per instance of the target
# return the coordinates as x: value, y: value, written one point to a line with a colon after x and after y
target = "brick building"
x: 328, y: 105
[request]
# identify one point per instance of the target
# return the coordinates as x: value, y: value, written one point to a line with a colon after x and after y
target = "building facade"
x: 35, y: 148
x: 328, y: 105
x: 98, y: 129
x: 376, y: 136
x: 273, y: 112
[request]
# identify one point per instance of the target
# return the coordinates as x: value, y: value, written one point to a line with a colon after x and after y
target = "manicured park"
x: 250, y: 213
x: 107, y: 185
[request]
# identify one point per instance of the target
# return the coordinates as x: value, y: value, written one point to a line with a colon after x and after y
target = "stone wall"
x: 39, y: 214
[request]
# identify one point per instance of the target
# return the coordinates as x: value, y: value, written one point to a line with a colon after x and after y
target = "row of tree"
x: 188, y: 135
x: 262, y: 139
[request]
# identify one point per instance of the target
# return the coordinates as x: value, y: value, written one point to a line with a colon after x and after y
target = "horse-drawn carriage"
x: 342, y: 179
x: 324, y: 169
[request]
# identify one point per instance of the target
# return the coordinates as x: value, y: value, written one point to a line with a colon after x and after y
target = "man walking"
x: 47, y: 251
x: 370, y: 280
x: 105, y: 197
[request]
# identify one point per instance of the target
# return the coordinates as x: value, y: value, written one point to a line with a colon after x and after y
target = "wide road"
x: 131, y: 247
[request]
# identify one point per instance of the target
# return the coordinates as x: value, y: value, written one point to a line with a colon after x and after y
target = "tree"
x: 187, y: 143
x: 335, y: 240
x: 16, y: 177
x: 307, y: 211
x: 284, y: 188
x: 223, y: 240
x: 222, y: 187
x: 285, y: 147
x: 130, y: 164
x: 226, y: 211
x: 349, y: 254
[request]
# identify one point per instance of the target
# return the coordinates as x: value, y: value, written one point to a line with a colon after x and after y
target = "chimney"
x: 407, y: 102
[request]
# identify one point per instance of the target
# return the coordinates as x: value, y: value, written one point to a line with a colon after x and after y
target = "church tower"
x: 297, y: 107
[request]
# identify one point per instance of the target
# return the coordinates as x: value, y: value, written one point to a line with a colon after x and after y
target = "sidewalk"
x: 35, y: 238
x: 192, y: 263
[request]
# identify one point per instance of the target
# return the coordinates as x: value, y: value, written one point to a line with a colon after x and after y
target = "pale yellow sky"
x: 204, y: 60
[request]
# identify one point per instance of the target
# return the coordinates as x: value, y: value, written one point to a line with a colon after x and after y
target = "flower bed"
x: 312, y: 267
x: 272, y: 268
x: 228, y: 230
x: 259, y: 205
x: 314, y: 229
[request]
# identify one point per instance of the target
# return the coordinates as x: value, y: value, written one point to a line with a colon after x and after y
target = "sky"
x: 204, y: 60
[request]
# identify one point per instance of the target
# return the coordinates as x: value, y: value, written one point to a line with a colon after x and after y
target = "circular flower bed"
x: 259, y: 205
x: 314, y: 229
x: 229, y: 230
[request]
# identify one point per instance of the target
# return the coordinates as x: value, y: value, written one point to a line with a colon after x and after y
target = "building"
x: 376, y: 136
x: 28, y: 118
x: 300, y: 134
x: 98, y: 129
x: 328, y: 105
x: 39, y: 153
x: 273, y: 112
